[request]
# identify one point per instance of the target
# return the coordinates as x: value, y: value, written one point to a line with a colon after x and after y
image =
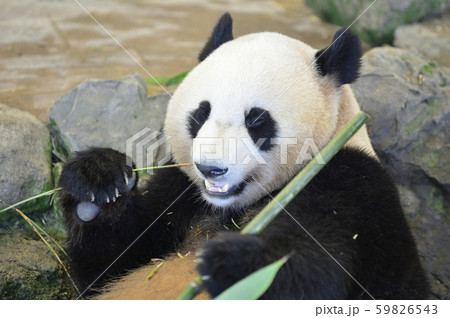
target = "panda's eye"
x: 258, y: 122
x: 255, y: 118
x: 261, y: 125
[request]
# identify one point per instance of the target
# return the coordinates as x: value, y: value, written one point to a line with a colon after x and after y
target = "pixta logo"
x: 148, y: 148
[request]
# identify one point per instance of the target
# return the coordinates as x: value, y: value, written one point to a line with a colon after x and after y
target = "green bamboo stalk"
x: 291, y: 189
x: 192, y: 290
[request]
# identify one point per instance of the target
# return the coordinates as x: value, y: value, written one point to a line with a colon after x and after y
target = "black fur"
x: 222, y: 33
x: 351, y: 195
x: 342, y: 59
x: 198, y: 117
x: 260, y: 124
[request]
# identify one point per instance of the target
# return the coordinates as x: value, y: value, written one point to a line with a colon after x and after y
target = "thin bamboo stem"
x: 50, y: 192
x: 162, y: 167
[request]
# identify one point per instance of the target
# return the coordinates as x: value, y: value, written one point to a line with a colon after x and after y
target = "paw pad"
x: 87, y: 211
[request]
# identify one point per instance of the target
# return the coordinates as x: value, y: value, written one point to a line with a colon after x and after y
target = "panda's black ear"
x: 223, y: 32
x: 342, y: 59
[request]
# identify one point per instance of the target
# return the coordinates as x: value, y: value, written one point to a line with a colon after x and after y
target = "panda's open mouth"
x: 224, y: 189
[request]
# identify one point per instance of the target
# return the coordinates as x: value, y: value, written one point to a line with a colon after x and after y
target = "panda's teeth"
x: 217, y: 188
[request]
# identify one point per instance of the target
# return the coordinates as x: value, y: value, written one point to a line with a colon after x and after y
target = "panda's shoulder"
x: 353, y: 181
x: 352, y: 164
x: 356, y: 175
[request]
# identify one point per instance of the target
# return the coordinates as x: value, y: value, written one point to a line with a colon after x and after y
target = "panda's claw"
x: 130, y: 181
x: 199, y: 256
x: 111, y: 195
x: 126, y: 178
x: 199, y: 253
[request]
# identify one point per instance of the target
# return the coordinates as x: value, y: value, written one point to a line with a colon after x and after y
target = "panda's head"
x: 251, y: 113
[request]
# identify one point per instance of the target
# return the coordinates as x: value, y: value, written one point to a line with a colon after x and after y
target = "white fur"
x: 272, y: 72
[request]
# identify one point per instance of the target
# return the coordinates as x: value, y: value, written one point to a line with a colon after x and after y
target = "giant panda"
x: 264, y: 96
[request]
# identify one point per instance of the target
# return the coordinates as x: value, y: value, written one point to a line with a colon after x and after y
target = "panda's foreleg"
x: 313, y: 271
x: 111, y: 226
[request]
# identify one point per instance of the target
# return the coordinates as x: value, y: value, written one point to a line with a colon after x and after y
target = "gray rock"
x: 28, y: 270
x: 25, y: 158
x: 105, y: 113
x: 430, y: 38
x: 377, y: 24
x: 408, y: 99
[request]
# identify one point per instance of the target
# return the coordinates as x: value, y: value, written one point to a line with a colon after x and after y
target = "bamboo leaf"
x: 167, y: 80
x: 254, y: 285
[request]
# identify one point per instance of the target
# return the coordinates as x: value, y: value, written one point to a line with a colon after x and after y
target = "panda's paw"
x: 229, y: 258
x: 96, y: 177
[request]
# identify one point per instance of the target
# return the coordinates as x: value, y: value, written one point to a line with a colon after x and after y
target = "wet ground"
x: 47, y: 47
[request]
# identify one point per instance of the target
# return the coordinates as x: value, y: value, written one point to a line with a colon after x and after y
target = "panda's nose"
x: 211, y: 171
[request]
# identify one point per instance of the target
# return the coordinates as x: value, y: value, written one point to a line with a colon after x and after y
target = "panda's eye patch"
x: 198, y: 117
x: 260, y: 124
